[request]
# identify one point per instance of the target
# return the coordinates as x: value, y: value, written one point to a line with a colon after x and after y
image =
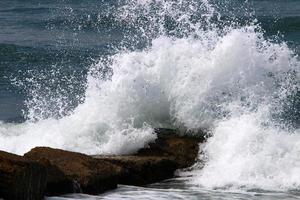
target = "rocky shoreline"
x: 45, y: 171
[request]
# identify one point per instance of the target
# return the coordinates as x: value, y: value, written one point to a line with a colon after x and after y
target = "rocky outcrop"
x: 21, y: 179
x: 159, y: 160
x: 181, y: 149
x: 53, y: 172
x: 57, y: 183
x: 142, y: 170
x: 88, y: 175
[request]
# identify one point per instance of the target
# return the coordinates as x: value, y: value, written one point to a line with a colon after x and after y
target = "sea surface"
x: 97, y: 76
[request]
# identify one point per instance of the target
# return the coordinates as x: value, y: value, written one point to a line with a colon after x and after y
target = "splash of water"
x: 192, y: 74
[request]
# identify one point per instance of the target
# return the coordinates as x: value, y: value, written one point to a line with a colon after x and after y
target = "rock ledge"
x: 52, y: 172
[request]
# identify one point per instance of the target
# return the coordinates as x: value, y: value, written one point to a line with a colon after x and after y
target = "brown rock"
x: 69, y: 172
x: 20, y: 178
x: 181, y: 149
x: 57, y: 182
x: 142, y: 170
x: 159, y: 160
x: 92, y: 176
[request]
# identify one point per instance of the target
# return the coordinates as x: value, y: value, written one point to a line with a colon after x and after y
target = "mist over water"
x: 182, y: 65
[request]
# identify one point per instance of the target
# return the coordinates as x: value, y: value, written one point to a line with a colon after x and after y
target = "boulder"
x: 142, y: 170
x: 21, y: 179
x: 88, y: 175
x: 57, y: 182
x: 70, y: 172
x: 169, y: 143
x: 159, y: 160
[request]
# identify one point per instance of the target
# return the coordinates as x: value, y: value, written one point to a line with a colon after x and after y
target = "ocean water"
x: 97, y: 76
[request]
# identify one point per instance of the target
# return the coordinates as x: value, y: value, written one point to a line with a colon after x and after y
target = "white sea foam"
x: 231, y: 81
x: 245, y: 154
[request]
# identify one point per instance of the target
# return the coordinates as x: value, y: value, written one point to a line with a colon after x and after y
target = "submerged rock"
x: 21, y: 179
x: 88, y: 175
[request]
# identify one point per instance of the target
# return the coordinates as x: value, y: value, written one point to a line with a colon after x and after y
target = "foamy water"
x: 232, y: 81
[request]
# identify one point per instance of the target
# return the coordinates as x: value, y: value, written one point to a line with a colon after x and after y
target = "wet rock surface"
x: 140, y: 170
x: 21, y: 178
x: 159, y: 160
x: 52, y: 172
x: 57, y: 183
x: 88, y: 175
x: 181, y: 149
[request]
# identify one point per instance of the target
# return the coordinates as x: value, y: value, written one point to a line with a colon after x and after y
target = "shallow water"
x: 177, y: 189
